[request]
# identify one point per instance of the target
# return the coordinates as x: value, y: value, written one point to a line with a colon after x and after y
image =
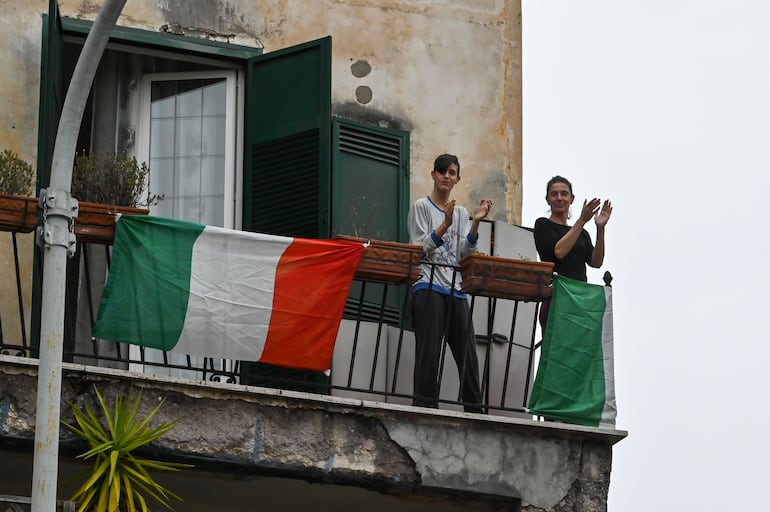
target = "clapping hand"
x: 603, y: 215
x: 482, y: 210
x: 590, y: 209
x: 449, y: 212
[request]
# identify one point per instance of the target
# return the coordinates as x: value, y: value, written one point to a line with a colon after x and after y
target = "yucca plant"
x: 119, y: 481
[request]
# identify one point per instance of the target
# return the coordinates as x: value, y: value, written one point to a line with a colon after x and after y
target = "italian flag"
x: 207, y: 291
x: 575, y: 379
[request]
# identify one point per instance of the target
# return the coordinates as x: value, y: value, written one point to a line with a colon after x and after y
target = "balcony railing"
x: 10, y: 503
x: 373, y: 356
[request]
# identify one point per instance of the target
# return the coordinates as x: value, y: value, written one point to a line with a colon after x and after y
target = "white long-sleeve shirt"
x: 424, y: 217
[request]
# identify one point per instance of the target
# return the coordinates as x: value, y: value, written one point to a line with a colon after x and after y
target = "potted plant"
x: 382, y: 261
x: 387, y: 262
x: 119, y: 479
x: 18, y: 209
x: 107, y: 186
x: 506, y: 278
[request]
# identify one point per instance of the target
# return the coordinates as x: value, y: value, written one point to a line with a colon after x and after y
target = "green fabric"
x: 570, y: 382
x: 151, y: 260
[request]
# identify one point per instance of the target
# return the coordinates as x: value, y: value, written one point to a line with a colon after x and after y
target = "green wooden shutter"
x: 51, y: 92
x: 286, y: 178
x: 370, y: 198
x: 52, y: 95
x: 370, y: 190
x: 287, y: 141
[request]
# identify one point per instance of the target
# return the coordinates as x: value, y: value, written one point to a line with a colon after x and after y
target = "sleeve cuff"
x: 436, y: 240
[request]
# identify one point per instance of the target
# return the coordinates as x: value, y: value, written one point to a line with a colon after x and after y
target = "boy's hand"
x: 482, y: 210
x: 449, y: 211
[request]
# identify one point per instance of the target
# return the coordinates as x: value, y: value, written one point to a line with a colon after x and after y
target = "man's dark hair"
x: 442, y: 163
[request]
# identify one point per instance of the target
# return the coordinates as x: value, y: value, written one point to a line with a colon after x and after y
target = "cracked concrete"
x: 401, y: 449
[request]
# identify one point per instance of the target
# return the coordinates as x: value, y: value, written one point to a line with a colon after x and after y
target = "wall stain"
x: 355, y: 112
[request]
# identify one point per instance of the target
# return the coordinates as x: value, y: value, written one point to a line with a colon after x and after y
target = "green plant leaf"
x: 86, y: 499
x: 96, y: 475
x: 114, y: 494
x: 114, y: 454
x: 163, y: 466
x: 143, y: 503
x: 149, y: 486
x: 104, y: 492
x: 129, y: 491
x: 119, y: 479
x: 106, y: 411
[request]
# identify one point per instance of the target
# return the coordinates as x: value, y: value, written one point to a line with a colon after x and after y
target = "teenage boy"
x: 440, y: 311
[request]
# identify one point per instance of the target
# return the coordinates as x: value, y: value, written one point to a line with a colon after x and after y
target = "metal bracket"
x: 58, y: 204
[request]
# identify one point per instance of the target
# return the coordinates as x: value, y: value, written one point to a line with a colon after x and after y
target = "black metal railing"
x: 373, y: 357
x: 10, y: 503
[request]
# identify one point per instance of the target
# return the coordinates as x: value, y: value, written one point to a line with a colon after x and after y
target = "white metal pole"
x: 59, y: 210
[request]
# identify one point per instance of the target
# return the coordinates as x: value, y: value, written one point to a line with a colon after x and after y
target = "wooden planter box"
x: 18, y: 213
x: 505, y: 278
x: 95, y: 222
x: 387, y: 262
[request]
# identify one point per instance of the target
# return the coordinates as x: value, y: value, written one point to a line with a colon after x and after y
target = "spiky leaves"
x: 120, y: 481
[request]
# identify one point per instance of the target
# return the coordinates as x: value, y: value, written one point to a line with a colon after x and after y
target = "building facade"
x: 300, y: 118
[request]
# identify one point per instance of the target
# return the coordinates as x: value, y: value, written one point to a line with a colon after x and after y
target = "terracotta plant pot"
x: 387, y: 262
x: 95, y: 222
x: 505, y: 278
x: 18, y: 213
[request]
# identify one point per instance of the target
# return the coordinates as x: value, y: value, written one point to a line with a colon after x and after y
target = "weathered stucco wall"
x: 544, y: 466
x: 449, y: 72
x: 20, y: 33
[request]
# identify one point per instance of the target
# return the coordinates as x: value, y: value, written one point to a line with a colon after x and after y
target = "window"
x: 189, y: 132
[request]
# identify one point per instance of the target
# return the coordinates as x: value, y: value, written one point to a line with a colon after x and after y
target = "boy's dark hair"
x: 442, y: 163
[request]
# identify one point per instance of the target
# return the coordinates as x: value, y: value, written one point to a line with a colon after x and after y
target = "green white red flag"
x: 207, y: 291
x: 575, y: 379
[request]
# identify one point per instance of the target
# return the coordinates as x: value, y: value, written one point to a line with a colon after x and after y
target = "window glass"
x: 188, y: 127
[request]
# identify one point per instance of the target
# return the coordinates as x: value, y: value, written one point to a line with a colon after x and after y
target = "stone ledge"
x: 373, y: 444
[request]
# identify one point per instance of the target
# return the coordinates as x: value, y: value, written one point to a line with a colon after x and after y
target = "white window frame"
x: 233, y: 133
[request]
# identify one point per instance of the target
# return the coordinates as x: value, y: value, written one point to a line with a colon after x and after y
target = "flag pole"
x: 58, y: 239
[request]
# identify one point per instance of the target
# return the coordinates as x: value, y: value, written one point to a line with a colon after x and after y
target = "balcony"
x: 374, y: 353
x: 352, y: 425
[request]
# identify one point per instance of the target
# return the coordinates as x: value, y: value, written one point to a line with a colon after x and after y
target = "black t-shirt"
x: 573, y: 265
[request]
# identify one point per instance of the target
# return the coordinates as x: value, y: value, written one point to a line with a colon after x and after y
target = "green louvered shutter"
x: 287, y: 141
x: 286, y: 178
x: 51, y: 91
x: 370, y: 198
x: 370, y: 190
x: 52, y: 95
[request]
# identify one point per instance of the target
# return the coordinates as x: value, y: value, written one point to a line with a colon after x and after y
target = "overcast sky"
x: 664, y: 107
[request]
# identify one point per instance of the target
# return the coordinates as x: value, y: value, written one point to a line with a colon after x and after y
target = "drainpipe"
x: 58, y: 238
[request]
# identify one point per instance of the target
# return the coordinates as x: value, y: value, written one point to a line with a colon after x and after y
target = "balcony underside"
x: 244, y: 438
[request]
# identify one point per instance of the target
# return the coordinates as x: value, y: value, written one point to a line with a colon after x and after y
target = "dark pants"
x: 435, y: 315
